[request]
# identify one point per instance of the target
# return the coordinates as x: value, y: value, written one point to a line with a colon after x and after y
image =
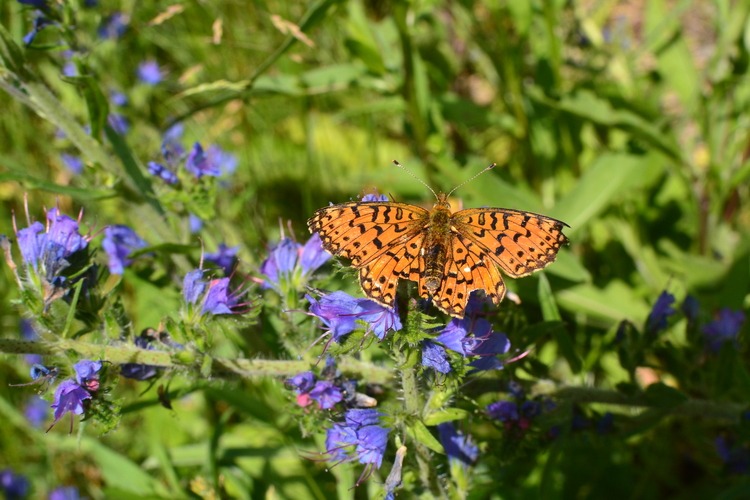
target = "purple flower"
x: 65, y: 493
x: 113, y: 26
x: 63, y: 231
x: 337, y: 311
x: 36, y: 411
x: 657, y: 319
x: 303, y: 382
x: 72, y: 162
x: 38, y: 371
x: 225, y: 161
x: 515, y: 389
x: 218, y: 299
x: 313, y: 255
x: 193, y: 286
x: 70, y: 69
x: 224, y: 257
x: 15, y: 486
x: 162, y: 172
x: 40, y: 22
x: 374, y: 197
x: 362, y: 431
x: 200, y: 164
x: 736, y: 457
x: 118, y: 98
x: 326, y: 394
x: 280, y: 262
x: 69, y: 397
x: 379, y: 319
x: 504, y: 411
x: 434, y: 356
x: 149, y: 72
x: 195, y: 223
x: 119, y: 242
x: 458, y: 447
x: 34, y: 3
x: 86, y: 371
x: 119, y: 123
x: 724, y: 329
x: 484, y: 342
x: 32, y: 243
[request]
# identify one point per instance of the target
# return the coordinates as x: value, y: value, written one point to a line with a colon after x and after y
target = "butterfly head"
x: 442, y: 202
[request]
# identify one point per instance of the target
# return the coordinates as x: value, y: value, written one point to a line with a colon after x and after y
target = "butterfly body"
x: 448, y: 254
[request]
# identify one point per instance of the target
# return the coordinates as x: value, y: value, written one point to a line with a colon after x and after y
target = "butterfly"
x: 448, y: 254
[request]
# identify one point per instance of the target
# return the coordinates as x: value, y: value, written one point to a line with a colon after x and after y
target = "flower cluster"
x: 324, y: 392
x: 514, y: 416
x: 340, y: 312
x: 214, y: 295
x: 199, y: 163
x: 289, y: 263
x: 71, y: 394
x: 468, y: 336
x: 359, y: 437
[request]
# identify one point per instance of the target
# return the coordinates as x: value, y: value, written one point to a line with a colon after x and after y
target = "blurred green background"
x: 627, y: 120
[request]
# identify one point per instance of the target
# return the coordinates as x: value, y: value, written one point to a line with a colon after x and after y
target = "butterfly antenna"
x: 420, y: 180
x: 490, y: 167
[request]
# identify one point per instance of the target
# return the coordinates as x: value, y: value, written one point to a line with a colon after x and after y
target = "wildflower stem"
x: 413, y: 406
x: 186, y: 360
x: 691, y: 407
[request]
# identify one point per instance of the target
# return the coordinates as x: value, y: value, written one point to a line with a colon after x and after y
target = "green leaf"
x: 10, y: 53
x: 28, y: 182
x: 726, y: 368
x: 367, y: 54
x: 547, y: 300
x: 167, y: 248
x: 532, y: 333
x: 96, y: 102
x: 663, y: 396
x: 567, y: 349
x: 417, y: 431
x: 445, y: 415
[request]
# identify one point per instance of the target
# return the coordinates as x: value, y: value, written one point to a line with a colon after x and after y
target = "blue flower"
x: 40, y: 22
x: 280, y: 262
x: 724, y: 329
x: 118, y: 98
x: 218, y: 299
x: 736, y: 457
x: 65, y: 493
x: 38, y: 371
x: 32, y: 243
x: 113, y: 26
x: 690, y: 308
x: 199, y: 163
x: 657, y: 319
x: 326, y: 394
x: 34, y: 3
x: 86, y: 371
x: 313, y: 255
x: 225, y: 161
x: 303, y: 382
x: 69, y: 397
x: 73, y: 163
x: 119, y: 123
x: 515, y: 389
x: 374, y: 197
x: 337, y: 311
x: 193, y: 286
x: 434, y: 356
x: 605, y: 424
x: 119, y: 242
x: 36, y: 411
x: 63, y: 231
x: 162, y: 172
x: 195, y: 223
x: 362, y: 432
x: 379, y: 319
x: 459, y: 448
x: 70, y: 69
x: 504, y: 411
x: 531, y: 409
x: 224, y: 257
x: 484, y: 342
x: 149, y: 72
x: 15, y: 486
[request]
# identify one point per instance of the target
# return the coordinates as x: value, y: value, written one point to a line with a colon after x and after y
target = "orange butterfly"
x: 448, y: 254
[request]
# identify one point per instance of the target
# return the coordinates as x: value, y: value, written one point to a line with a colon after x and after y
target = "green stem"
x: 691, y: 408
x: 186, y: 360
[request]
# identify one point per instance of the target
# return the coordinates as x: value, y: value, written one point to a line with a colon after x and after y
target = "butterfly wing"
x: 383, y: 240
x: 466, y: 270
x: 519, y: 242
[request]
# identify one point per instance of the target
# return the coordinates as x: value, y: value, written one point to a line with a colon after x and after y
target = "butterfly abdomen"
x: 435, y: 248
